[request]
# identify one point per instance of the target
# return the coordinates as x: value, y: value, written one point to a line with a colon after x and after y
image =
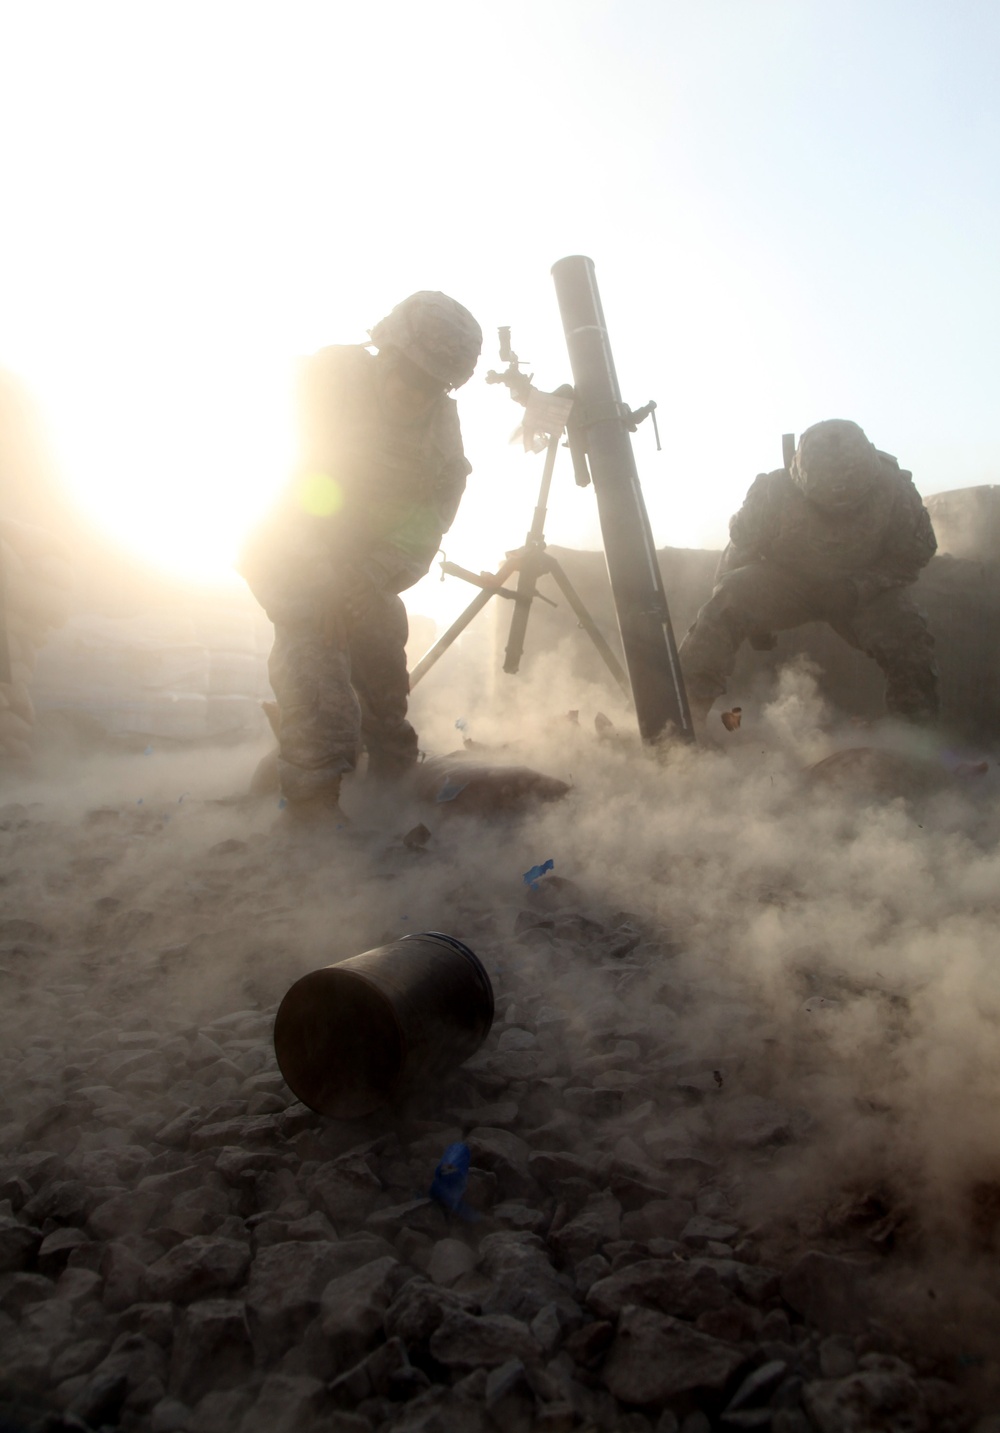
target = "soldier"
x: 381, y: 475
x: 837, y: 538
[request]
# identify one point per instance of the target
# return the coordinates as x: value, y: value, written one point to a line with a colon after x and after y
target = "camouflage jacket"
x: 883, y: 542
x: 367, y: 492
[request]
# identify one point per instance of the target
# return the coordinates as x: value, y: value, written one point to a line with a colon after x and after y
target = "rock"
x: 592, y: 1104
x: 198, y: 1211
x: 700, y: 1230
x: 220, y: 1409
x: 657, y: 1219
x: 520, y: 1216
x: 887, y: 1401
x: 464, y: 1341
x: 588, y: 1271
x: 169, y: 1416
x: 79, y: 1358
x: 449, y: 1260
x: 421, y: 1214
x: 753, y: 1282
x: 547, y: 1167
x: 243, y: 1130
x: 346, y: 1190
x: 418, y: 1309
x: 124, y: 1276
x: 506, y: 1155
x: 198, y: 1268
x: 154, y: 1321
x: 353, y: 1306
x: 751, y: 1122
x: 674, y: 1288
x: 655, y: 1358
x: 78, y: 1286
x: 125, y: 1213
x: 65, y: 1201
x: 285, y: 1405
x: 443, y: 1410
x: 18, y: 1244
x: 733, y: 1323
x: 837, y: 1358
x: 212, y: 1349
x: 19, y: 1290
x: 523, y: 1278
x: 514, y: 1038
x: 633, y: 1185
x: 56, y: 1248
x: 493, y: 1072
x: 509, y: 1398
x: 828, y: 1291
x: 314, y: 1226
x: 548, y: 1327
x: 286, y: 1285
x: 240, y: 1166
x: 499, y: 1115
x: 100, y: 1400
x: 757, y: 1387
x: 386, y: 1372
x: 588, y: 1345
x: 176, y: 1133
x: 597, y: 1222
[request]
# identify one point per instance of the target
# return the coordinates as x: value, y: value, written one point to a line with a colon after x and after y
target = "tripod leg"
x: 532, y: 564
x: 459, y: 625
x: 589, y: 626
x: 445, y: 640
x: 526, y: 580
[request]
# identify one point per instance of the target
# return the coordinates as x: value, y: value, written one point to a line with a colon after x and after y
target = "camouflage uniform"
x: 791, y: 560
x: 365, y: 514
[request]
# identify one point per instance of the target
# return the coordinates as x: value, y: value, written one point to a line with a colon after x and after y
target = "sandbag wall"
x: 188, y: 672
x: 960, y: 596
x: 38, y: 584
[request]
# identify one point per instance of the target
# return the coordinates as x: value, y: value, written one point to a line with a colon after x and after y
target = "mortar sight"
x: 518, y: 383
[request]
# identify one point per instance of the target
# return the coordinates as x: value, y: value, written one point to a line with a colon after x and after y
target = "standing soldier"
x: 381, y: 474
x: 837, y: 538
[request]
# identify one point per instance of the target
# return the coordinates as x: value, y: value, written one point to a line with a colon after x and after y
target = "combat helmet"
x: 436, y: 333
x: 835, y: 465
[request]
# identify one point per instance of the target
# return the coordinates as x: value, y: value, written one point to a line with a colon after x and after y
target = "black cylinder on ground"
x: 636, y: 584
x: 347, y: 1037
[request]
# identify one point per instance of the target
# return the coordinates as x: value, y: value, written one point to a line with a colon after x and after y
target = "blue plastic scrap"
x: 450, y: 1180
x: 461, y: 724
x: 450, y: 790
x: 532, y: 877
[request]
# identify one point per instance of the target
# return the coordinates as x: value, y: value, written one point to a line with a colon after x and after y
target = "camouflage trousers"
x: 341, y: 691
x: 751, y: 602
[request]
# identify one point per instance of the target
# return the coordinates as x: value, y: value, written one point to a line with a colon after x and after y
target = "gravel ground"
x: 709, y: 1187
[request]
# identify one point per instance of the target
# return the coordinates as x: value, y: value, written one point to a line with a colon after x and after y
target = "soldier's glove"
x: 839, y: 597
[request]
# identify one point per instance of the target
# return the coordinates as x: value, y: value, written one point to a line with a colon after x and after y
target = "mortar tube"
x: 640, y: 599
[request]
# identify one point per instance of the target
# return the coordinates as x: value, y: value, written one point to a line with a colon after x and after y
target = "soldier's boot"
x: 319, y: 812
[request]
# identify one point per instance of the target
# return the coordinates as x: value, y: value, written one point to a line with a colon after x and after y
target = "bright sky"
x: 792, y: 205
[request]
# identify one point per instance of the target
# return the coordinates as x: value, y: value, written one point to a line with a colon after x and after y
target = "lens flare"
x: 319, y: 494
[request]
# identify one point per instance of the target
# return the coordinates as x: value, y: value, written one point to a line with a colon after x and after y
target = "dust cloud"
x: 791, y: 978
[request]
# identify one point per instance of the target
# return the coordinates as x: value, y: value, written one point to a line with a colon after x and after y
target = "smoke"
x: 813, y: 998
